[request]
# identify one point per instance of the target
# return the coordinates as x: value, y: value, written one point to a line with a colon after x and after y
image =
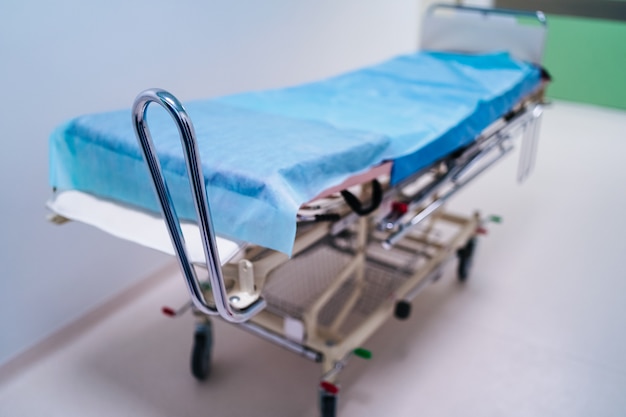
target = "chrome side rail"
x: 405, y: 228
x: 194, y: 169
x: 476, y: 159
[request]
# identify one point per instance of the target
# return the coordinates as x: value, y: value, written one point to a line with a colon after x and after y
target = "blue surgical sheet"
x: 266, y: 153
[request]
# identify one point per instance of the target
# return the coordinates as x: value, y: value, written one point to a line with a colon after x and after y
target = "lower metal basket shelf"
x: 334, y: 293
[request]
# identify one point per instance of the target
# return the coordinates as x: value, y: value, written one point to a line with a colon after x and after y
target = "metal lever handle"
x: 194, y: 169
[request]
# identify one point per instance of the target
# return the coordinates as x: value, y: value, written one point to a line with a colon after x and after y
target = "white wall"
x: 62, y: 58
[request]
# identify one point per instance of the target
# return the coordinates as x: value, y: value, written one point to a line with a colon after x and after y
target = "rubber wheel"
x: 201, y: 352
x: 402, y: 310
x: 328, y: 404
x: 466, y: 256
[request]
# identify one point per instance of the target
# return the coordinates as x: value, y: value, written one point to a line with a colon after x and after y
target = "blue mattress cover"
x: 266, y: 153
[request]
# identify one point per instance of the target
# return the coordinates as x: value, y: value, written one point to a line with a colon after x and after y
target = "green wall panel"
x: 587, y: 60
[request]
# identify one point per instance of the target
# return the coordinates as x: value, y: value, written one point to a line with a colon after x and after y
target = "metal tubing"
x: 192, y: 159
x: 282, y: 342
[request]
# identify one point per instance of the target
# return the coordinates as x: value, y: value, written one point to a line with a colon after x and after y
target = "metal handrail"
x: 192, y: 158
x: 465, y: 171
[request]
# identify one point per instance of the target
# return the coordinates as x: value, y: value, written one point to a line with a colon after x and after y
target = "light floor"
x: 540, y: 329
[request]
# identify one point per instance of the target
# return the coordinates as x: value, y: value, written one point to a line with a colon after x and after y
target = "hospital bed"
x: 310, y: 215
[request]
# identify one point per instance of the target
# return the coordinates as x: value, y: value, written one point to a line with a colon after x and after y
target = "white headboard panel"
x: 475, y: 30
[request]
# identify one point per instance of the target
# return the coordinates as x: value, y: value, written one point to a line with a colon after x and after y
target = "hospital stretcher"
x: 363, y: 246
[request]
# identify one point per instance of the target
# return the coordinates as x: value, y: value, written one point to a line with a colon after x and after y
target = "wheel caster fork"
x: 328, y: 394
x: 466, y: 256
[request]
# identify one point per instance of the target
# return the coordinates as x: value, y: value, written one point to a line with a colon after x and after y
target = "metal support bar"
x: 281, y: 341
x: 192, y: 159
x: 528, y: 152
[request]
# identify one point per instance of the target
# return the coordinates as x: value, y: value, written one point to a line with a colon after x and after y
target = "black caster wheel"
x: 466, y: 256
x: 328, y: 404
x: 402, y: 310
x: 201, y: 352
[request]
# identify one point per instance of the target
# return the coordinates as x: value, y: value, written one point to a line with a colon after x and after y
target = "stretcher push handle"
x: 194, y: 169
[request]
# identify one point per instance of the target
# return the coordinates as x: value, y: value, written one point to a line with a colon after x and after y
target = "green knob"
x: 495, y: 219
x: 363, y: 353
